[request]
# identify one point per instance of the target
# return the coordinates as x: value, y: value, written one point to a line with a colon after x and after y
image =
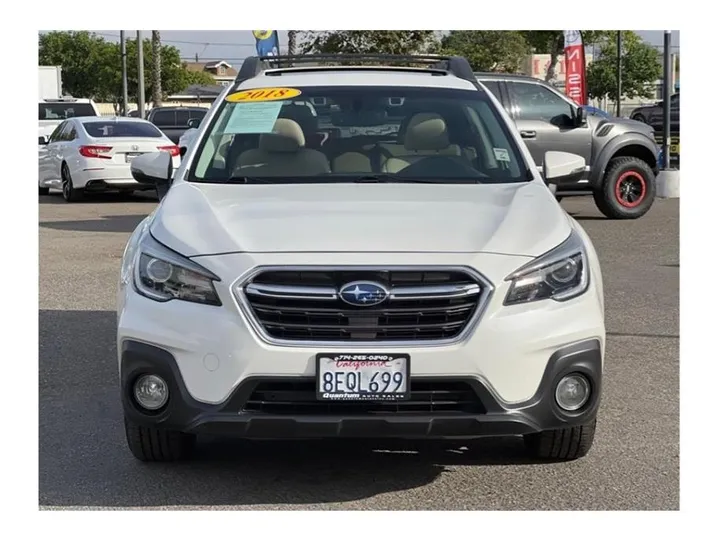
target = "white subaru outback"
x: 390, y: 264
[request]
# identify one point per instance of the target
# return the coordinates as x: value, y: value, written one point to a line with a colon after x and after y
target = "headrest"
x: 286, y: 136
x: 426, y: 131
x: 302, y: 115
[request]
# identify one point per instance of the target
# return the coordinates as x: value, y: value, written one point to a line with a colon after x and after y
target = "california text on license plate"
x: 360, y: 377
x: 129, y: 156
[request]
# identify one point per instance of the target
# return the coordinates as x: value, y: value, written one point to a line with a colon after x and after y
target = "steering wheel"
x: 441, y: 167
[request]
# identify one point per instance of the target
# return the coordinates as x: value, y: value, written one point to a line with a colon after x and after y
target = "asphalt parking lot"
x: 84, y: 462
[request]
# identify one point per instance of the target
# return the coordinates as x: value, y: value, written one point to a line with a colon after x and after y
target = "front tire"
x: 627, y: 190
x: 43, y: 190
x: 565, y: 444
x: 158, y: 445
x: 70, y: 192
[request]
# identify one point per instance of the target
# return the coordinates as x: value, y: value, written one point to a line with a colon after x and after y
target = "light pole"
x: 123, y: 54
x: 667, y: 85
x: 141, y: 76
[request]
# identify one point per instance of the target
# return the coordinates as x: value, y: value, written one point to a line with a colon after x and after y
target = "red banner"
x: 575, y: 85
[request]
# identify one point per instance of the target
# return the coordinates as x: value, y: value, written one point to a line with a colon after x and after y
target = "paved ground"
x: 634, y: 464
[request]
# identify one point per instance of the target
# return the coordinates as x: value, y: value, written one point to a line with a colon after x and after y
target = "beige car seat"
x: 282, y: 152
x: 352, y: 162
x: 426, y: 135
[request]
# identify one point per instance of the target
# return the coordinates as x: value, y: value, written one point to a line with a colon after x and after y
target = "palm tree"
x: 291, y: 42
x: 156, y: 69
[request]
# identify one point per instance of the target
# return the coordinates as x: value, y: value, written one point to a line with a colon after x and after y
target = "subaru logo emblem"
x: 363, y: 293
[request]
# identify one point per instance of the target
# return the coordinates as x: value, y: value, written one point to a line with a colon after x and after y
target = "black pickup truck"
x: 173, y: 121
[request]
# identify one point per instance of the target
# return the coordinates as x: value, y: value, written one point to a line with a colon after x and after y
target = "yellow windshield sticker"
x: 263, y: 94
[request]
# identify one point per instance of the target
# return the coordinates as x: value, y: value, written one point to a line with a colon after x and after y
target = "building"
x: 220, y: 70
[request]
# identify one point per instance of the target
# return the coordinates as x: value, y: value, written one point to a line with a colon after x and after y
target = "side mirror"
x: 562, y: 166
x: 154, y: 168
x: 42, y: 140
x: 194, y: 123
x: 580, y: 116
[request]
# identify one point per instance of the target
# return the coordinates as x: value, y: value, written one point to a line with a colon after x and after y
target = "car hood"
x: 515, y: 219
x: 625, y: 125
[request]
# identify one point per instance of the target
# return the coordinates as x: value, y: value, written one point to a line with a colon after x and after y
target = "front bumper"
x: 231, y: 418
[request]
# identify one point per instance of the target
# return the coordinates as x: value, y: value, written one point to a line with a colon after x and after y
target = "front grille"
x: 422, y: 305
x: 426, y: 397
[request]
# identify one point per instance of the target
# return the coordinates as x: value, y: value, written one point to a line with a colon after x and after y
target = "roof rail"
x: 455, y: 65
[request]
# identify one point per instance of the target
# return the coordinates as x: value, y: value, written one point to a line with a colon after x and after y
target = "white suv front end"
x: 395, y: 308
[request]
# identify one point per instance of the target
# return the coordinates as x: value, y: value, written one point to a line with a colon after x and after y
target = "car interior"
x: 417, y: 138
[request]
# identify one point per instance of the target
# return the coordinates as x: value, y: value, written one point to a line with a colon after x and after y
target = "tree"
x: 640, y: 68
x: 487, y: 50
x: 367, y: 41
x: 156, y: 69
x: 552, y: 42
x: 83, y: 57
x: 292, y: 35
x: 203, y: 78
x: 172, y: 73
x: 92, y: 67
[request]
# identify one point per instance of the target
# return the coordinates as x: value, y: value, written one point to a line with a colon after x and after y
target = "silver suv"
x: 621, y: 154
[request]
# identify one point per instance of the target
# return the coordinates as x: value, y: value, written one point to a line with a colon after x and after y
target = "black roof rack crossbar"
x: 455, y: 65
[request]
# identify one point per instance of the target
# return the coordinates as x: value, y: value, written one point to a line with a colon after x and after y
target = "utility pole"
x: 667, y: 84
x: 141, y: 76
x: 619, y: 72
x: 123, y: 54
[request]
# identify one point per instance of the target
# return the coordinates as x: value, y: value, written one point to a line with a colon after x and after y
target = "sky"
x: 235, y: 45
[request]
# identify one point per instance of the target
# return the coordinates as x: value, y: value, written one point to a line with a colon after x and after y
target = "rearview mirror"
x: 194, y: 123
x: 563, y: 166
x: 154, y: 168
x: 42, y: 139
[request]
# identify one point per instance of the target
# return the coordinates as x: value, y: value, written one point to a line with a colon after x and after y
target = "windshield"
x: 341, y: 134
x: 62, y: 111
x: 118, y: 128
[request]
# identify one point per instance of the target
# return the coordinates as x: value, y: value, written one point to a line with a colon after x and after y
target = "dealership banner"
x: 267, y: 42
x: 575, y: 83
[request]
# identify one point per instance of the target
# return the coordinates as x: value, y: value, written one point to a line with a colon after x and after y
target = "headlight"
x: 162, y: 274
x: 560, y: 274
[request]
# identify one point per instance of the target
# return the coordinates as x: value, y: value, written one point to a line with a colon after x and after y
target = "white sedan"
x: 91, y: 154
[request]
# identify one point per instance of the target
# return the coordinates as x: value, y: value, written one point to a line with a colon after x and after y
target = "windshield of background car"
x: 336, y: 134
x: 118, y: 128
x: 62, y: 111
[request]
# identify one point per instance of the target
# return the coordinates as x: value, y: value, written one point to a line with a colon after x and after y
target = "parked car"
x: 89, y: 154
x: 173, y: 121
x: 52, y: 112
x: 621, y: 154
x: 419, y: 283
x: 186, y: 140
x: 656, y: 115
x: 648, y: 114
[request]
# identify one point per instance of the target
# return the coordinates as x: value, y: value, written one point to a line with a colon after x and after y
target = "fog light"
x: 572, y: 392
x: 151, y: 392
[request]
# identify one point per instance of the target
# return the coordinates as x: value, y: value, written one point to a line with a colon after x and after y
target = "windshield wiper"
x: 391, y: 179
x: 249, y: 180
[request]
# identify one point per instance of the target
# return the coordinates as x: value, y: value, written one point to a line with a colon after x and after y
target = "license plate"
x: 130, y: 156
x: 362, y: 377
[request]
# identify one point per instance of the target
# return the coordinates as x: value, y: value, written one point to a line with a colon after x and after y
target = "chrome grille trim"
x: 482, y: 285
x: 290, y: 291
